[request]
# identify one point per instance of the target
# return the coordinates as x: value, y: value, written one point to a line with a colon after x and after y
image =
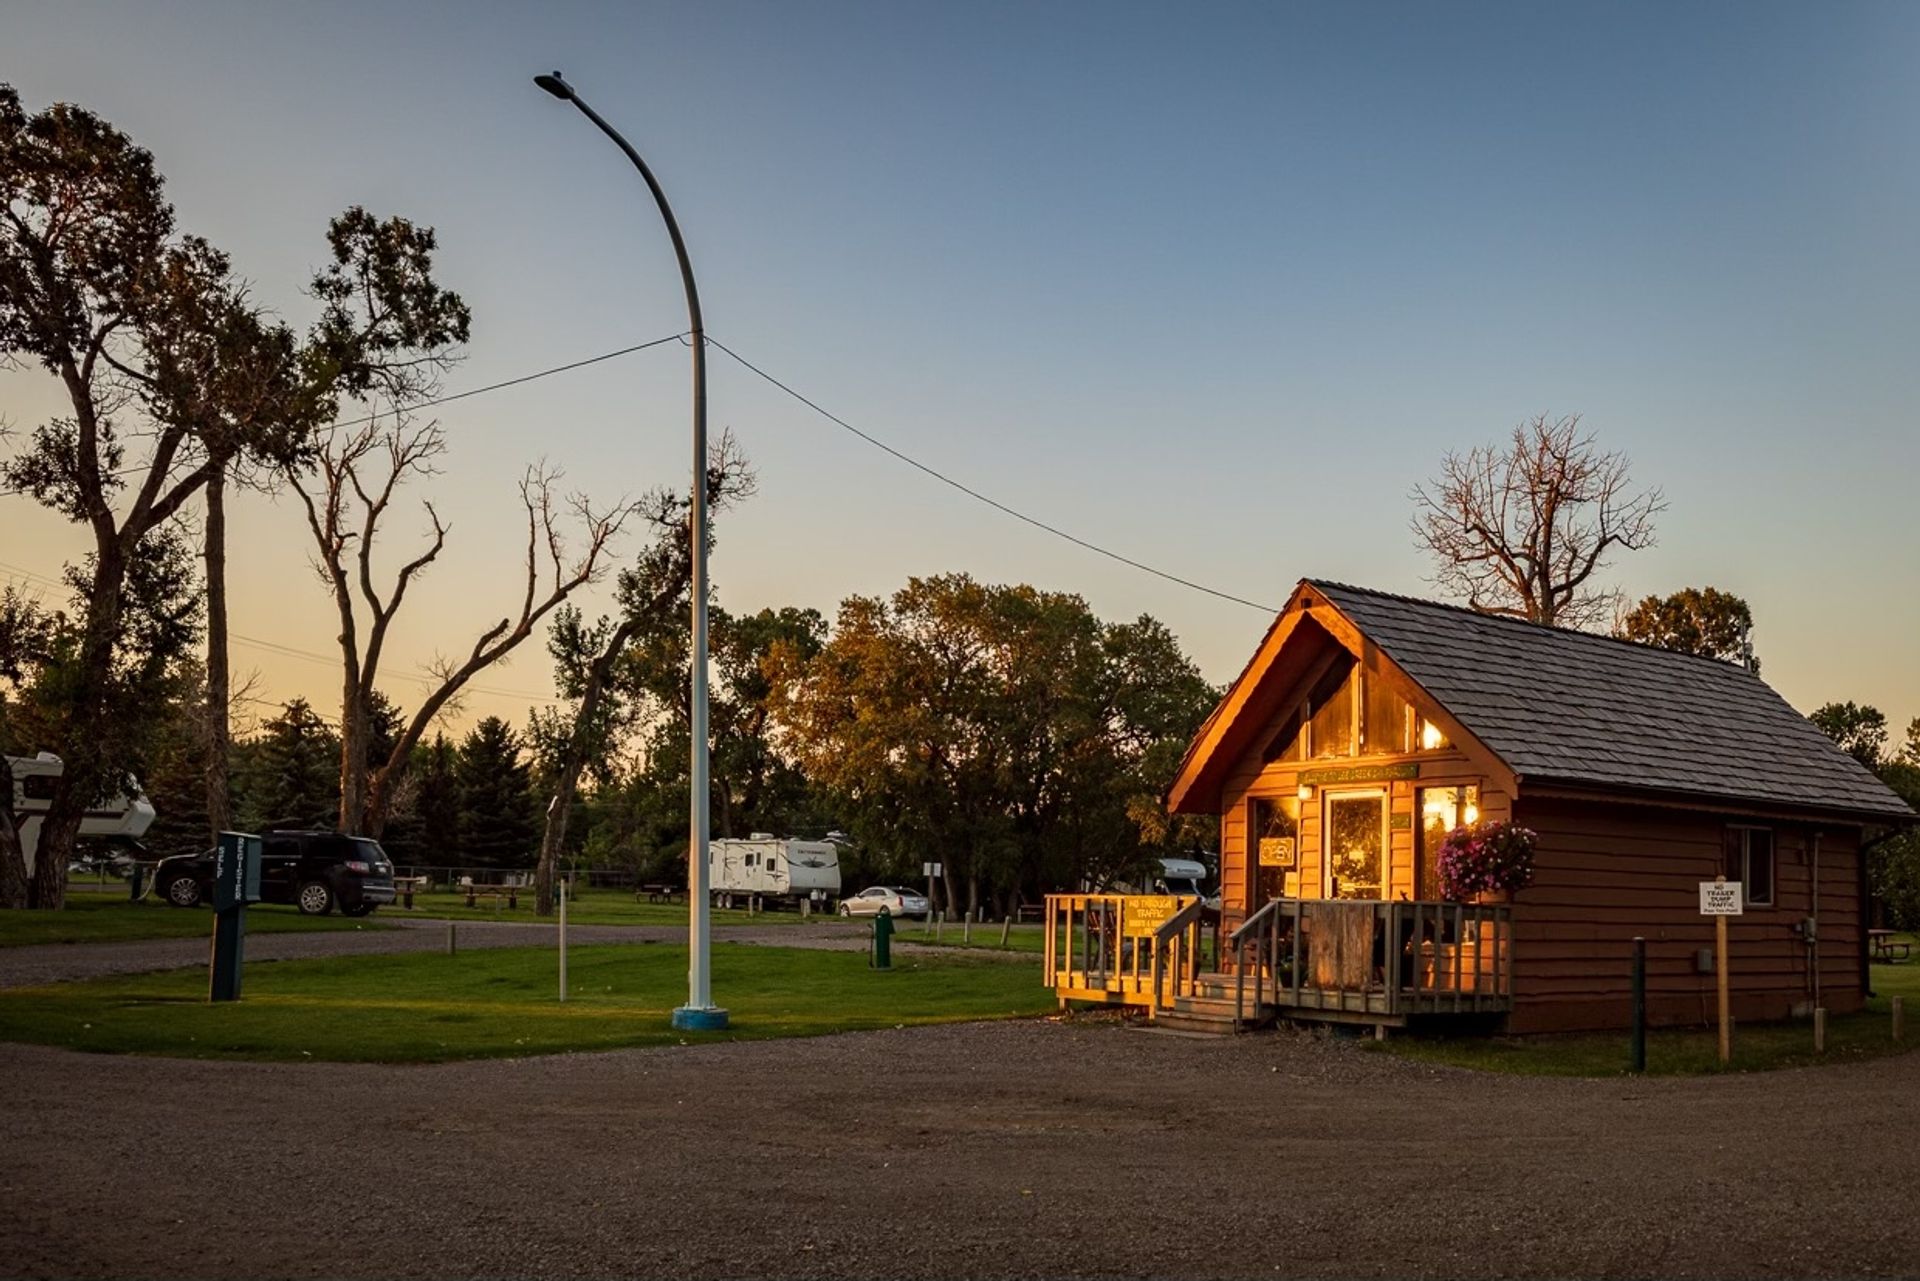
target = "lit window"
x: 1441, y: 810
x: 1432, y: 737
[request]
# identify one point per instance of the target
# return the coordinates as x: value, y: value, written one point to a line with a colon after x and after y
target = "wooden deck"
x: 1335, y: 959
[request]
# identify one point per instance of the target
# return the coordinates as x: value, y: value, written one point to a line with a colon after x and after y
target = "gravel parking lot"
x: 1017, y: 1149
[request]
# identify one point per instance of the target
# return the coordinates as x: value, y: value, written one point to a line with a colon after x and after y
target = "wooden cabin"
x: 1367, y: 726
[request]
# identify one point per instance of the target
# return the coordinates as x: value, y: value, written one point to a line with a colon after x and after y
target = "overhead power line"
x: 292, y: 651
x: 975, y: 494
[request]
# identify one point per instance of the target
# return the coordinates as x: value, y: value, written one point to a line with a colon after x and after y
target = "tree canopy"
x: 1695, y: 620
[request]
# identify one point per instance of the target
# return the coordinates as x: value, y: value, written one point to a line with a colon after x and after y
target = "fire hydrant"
x: 882, y: 941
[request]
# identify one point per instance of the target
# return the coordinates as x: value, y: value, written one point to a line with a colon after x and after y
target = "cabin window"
x: 38, y: 787
x: 1331, y: 731
x: 1750, y: 862
x: 1356, y: 844
x: 1441, y: 810
x: 1290, y: 744
x: 1274, y: 828
x: 1385, y: 727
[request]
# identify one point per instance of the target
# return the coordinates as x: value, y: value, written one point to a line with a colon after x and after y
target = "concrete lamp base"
x: 689, y: 1018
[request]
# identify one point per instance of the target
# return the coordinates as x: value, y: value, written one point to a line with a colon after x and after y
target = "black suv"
x: 314, y: 871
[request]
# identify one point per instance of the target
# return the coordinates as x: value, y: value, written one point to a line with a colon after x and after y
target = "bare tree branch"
x: 1521, y: 531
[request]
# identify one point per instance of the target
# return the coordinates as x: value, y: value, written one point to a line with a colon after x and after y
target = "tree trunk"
x: 219, y: 730
x: 553, y: 838
x: 80, y: 776
x: 58, y: 831
x: 13, y: 858
x: 353, y: 762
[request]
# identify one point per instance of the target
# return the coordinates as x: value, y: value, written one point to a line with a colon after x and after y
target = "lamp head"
x: 556, y: 86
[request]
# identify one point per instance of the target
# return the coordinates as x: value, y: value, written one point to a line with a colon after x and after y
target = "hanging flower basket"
x: 1486, y: 862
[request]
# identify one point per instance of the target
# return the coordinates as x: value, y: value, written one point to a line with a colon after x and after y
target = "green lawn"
x: 426, y: 1007
x: 1672, y: 1052
x: 91, y: 918
x: 1022, y: 938
x: 596, y: 907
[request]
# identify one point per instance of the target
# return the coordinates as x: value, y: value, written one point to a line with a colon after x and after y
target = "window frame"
x: 1745, y: 832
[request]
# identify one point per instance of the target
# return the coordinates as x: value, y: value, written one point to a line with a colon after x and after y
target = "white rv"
x: 766, y: 868
x: 122, y: 818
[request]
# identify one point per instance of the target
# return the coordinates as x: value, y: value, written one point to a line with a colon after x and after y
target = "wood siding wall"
x: 1252, y: 780
x: 1607, y: 871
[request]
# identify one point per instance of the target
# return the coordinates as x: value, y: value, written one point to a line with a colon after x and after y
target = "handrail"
x: 1270, y: 907
x: 1179, y: 921
x: 1171, y: 931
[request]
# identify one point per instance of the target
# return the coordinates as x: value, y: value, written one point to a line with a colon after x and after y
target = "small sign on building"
x: 1720, y: 898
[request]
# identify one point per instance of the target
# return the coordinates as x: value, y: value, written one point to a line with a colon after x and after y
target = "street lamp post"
x: 699, y: 1013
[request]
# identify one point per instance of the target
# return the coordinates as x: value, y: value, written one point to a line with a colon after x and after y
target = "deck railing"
x: 1395, y: 958
x: 1342, y: 956
x: 1132, y: 949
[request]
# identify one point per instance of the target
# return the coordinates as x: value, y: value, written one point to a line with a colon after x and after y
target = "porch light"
x: 1431, y: 736
x: 1306, y: 791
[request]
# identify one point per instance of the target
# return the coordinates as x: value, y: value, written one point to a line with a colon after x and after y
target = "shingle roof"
x: 1580, y: 708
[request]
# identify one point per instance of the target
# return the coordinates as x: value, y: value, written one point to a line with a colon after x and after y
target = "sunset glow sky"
x: 1212, y: 286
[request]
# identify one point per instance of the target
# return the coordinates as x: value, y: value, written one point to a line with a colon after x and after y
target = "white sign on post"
x: 930, y: 869
x: 1720, y: 898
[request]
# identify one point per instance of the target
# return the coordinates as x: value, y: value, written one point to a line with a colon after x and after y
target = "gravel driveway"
x: 1015, y: 1149
x: 61, y: 962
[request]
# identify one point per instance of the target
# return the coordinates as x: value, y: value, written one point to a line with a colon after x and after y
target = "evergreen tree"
x: 499, y: 825
x: 292, y: 774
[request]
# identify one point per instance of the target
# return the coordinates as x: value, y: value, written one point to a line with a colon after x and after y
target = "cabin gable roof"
x: 1572, y: 708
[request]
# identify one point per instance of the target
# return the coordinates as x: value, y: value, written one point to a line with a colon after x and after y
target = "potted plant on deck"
x: 1486, y: 862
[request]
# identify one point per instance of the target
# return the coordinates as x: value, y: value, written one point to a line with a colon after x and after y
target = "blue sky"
x: 1214, y: 286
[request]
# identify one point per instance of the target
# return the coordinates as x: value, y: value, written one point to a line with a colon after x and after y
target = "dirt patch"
x: 1015, y: 1149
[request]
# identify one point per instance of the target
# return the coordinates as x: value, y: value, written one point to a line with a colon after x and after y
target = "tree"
x: 1910, y: 750
x: 1522, y: 530
x: 495, y: 784
x: 1003, y: 731
x: 291, y: 777
x: 588, y: 658
x: 355, y: 476
x: 386, y: 327
x: 1695, y: 620
x: 158, y: 353
x: 1859, y: 729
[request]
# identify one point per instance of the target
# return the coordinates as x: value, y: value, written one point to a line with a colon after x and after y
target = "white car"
x: 898, y: 902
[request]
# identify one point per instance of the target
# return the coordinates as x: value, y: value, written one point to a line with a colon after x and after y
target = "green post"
x: 883, y: 940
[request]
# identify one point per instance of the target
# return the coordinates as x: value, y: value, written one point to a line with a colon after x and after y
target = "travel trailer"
x: 768, y: 869
x: 123, y: 818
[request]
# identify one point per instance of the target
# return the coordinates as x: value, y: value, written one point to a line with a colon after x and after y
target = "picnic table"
x: 659, y: 893
x: 407, y: 887
x: 1886, y: 947
x: 476, y: 892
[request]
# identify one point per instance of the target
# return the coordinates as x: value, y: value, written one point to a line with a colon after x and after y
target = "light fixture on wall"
x: 1306, y: 791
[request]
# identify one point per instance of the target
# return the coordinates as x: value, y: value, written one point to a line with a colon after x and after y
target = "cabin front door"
x: 1354, y: 844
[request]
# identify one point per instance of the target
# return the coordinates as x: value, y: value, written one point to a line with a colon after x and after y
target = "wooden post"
x: 966, y: 928
x: 1819, y: 1029
x: 563, y: 942
x: 1006, y: 928
x: 1720, y: 974
x: 449, y: 938
x: 1899, y: 1018
x: 939, y: 922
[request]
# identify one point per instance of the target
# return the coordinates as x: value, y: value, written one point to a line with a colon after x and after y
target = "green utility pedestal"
x: 883, y: 940
x: 236, y: 883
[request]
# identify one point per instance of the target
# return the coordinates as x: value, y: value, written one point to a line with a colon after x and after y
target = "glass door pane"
x: 1356, y: 844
